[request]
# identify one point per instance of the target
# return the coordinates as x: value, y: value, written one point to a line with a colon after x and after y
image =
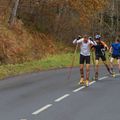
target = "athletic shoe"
x: 87, y: 83
x: 113, y: 74
x: 81, y: 81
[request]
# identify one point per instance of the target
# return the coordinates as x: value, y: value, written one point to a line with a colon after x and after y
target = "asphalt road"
x: 50, y: 96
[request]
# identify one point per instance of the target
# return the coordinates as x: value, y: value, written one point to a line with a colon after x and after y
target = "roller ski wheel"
x: 111, y: 73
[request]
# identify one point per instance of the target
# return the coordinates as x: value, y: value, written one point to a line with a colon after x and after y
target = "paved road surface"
x: 50, y: 96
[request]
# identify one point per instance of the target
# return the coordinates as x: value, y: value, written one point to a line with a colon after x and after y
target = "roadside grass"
x: 50, y: 62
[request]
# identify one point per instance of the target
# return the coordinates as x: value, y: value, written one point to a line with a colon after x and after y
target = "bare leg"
x: 82, y: 71
x: 96, y: 69
x: 105, y: 63
x: 111, y: 64
x: 87, y: 71
x: 119, y: 65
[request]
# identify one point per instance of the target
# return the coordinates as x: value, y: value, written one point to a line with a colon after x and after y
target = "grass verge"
x: 50, y: 62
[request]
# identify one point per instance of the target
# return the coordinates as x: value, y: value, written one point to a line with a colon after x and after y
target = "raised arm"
x: 93, y: 43
x: 77, y: 41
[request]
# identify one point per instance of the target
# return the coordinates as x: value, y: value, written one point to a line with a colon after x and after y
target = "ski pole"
x: 93, y: 60
x: 73, y: 60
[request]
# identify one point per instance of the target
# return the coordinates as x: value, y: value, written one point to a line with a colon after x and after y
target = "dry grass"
x: 50, y: 62
x: 18, y: 45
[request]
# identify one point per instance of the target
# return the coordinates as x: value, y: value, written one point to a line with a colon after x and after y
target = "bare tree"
x: 13, y: 13
x: 117, y: 28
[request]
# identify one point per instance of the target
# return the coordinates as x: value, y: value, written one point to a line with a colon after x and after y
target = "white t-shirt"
x: 84, y: 47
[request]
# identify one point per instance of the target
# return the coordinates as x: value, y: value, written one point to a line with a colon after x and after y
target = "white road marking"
x: 23, y: 119
x: 103, y: 78
x: 42, y: 109
x: 78, y: 89
x: 117, y: 74
x: 61, y: 98
x: 65, y: 96
x: 92, y: 82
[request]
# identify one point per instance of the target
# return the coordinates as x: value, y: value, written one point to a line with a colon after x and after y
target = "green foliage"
x: 51, y: 62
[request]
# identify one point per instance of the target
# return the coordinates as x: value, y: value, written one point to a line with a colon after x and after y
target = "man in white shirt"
x: 85, y: 45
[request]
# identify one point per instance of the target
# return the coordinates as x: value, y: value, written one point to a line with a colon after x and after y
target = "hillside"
x: 19, y: 45
x: 45, y: 27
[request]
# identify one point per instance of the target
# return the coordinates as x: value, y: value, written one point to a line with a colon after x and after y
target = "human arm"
x: 110, y: 51
x: 76, y: 41
x: 93, y: 42
x: 105, y: 45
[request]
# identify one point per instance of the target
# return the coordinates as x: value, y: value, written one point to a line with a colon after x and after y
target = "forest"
x: 32, y: 29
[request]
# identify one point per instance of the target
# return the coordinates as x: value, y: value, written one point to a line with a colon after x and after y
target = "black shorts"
x: 103, y: 57
x: 115, y: 56
x: 84, y: 59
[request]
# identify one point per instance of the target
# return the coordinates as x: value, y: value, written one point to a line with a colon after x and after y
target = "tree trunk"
x: 112, y: 17
x: 13, y: 13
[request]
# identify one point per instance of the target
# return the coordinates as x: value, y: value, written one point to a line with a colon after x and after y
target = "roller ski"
x: 84, y: 82
x: 111, y: 72
x: 87, y: 83
x: 81, y: 82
